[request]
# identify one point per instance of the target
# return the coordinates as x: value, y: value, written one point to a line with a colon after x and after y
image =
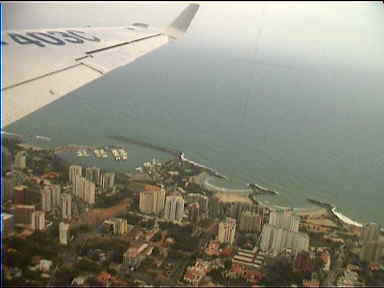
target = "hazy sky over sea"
x: 348, y: 35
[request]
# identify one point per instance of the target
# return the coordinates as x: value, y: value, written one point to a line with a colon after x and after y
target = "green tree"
x: 228, y: 264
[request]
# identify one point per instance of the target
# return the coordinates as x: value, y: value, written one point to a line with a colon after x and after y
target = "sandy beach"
x: 233, y: 197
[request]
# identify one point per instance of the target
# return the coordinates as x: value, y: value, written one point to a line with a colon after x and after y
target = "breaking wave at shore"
x: 345, y: 219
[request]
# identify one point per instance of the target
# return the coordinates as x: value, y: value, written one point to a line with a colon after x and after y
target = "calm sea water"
x: 304, y: 132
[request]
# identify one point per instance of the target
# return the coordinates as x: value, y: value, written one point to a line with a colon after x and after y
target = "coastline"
x: 203, y: 180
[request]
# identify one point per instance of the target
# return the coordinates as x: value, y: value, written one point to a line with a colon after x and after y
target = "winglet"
x: 181, y: 23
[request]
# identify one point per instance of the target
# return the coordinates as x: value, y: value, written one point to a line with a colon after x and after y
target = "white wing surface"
x: 40, y: 66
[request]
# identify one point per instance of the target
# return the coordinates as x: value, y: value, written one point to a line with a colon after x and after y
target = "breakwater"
x: 257, y: 189
x: 128, y: 140
x: 173, y: 152
x: 209, y: 170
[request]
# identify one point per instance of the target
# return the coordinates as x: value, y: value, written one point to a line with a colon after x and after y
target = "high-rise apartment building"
x: 93, y: 174
x: 75, y: 170
x: 284, y: 220
x: 56, y: 195
x: 201, y: 199
x: 152, y: 201
x: 84, y: 189
x: 194, y: 212
x: 119, y: 226
x: 108, y: 180
x: 174, y: 208
x: 227, y: 231
x: 276, y: 239
x: 46, y: 199
x: 146, y: 202
x: 38, y: 220
x: 250, y: 222
x: 64, y: 233
x: 66, y: 205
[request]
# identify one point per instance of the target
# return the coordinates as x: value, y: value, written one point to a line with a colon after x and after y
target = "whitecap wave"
x: 345, y: 219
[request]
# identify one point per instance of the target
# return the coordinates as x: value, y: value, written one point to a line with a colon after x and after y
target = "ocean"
x: 306, y: 131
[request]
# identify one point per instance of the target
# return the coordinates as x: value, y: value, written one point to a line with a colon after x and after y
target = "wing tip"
x: 180, y: 25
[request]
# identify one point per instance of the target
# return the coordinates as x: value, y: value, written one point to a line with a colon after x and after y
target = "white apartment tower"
x: 227, y: 231
x: 74, y: 170
x: 56, y: 195
x: 66, y: 205
x: 108, y: 180
x: 174, y: 208
x: 38, y: 220
x: 275, y: 239
x: 64, y: 233
x: 46, y: 199
x: 152, y: 201
x: 284, y: 220
x: 84, y: 189
x: 93, y: 174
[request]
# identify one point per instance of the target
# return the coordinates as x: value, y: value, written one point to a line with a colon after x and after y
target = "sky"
x: 345, y: 35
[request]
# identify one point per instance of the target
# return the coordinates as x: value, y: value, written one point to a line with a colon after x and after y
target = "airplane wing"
x: 40, y: 66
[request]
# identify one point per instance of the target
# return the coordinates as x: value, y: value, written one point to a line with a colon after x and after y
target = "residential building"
x: 158, y: 201
x: 21, y: 160
x: 227, y: 231
x: 276, y: 239
x: 195, y: 273
x: 284, y: 220
x: 23, y: 214
x: 146, y: 202
x: 19, y: 194
x: 75, y: 170
x: 8, y: 221
x: 250, y: 222
x: 152, y: 201
x: 108, y: 180
x: 66, y: 205
x: 174, y: 208
x: 201, y: 199
x: 119, y: 226
x: 56, y: 195
x: 248, y: 258
x: 93, y: 174
x: 84, y: 189
x: 64, y: 233
x: 194, y: 212
x: 46, y: 199
x: 38, y: 220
